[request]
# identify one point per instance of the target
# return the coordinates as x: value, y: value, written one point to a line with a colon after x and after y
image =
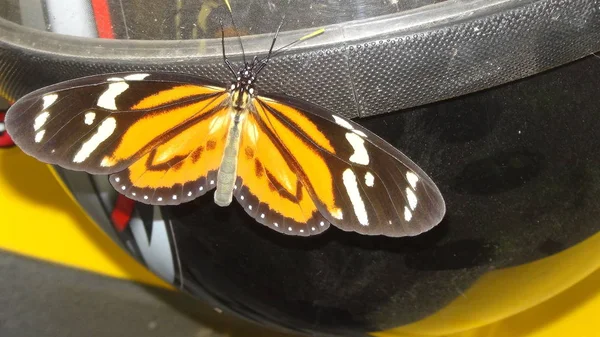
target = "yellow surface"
x: 556, y: 296
x: 38, y: 219
x: 573, y: 313
x: 502, y: 293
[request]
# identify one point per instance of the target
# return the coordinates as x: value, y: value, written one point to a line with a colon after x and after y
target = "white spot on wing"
x: 117, y: 179
x: 106, y: 162
x: 159, y: 199
x: 39, y: 136
x: 357, y: 202
x: 104, y: 131
x: 290, y: 229
x: 49, y: 100
x: 412, y: 179
x: 322, y: 223
x: 40, y: 120
x: 342, y: 122
x: 2, y: 127
x: 360, y: 155
x: 345, y: 124
x: 337, y: 213
x: 189, y: 194
x: 108, y: 98
x: 360, y: 133
x: 136, y: 77
x: 276, y: 224
x: 412, y: 198
x: 145, y: 197
x: 407, y: 214
x: 89, y: 118
x: 123, y: 187
x: 369, y: 179
x: 174, y: 197
x: 250, y: 207
x: 262, y: 216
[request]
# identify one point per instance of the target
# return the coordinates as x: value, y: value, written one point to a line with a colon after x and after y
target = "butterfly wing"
x: 268, y: 185
x: 160, y: 136
x: 354, y: 179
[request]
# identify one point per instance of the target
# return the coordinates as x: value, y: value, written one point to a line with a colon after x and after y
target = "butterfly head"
x: 246, y: 76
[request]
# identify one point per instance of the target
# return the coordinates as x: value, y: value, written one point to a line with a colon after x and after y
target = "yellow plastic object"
x: 555, y: 296
x: 502, y: 293
x: 38, y: 219
x: 574, y: 312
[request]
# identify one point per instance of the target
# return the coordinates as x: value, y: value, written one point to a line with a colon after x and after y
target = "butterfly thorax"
x: 242, y: 89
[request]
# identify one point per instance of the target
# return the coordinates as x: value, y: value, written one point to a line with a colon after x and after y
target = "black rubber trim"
x: 358, y: 68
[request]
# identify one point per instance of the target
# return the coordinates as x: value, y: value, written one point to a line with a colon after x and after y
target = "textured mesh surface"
x: 407, y: 71
x: 376, y: 76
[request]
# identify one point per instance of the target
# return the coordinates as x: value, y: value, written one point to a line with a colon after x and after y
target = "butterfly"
x: 167, y: 138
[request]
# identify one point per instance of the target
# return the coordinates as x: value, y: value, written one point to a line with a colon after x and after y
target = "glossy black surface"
x: 519, y: 169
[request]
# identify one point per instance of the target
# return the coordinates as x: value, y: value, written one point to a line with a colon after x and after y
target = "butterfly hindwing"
x: 158, y: 135
x: 358, y: 181
x: 269, y: 187
x: 179, y: 169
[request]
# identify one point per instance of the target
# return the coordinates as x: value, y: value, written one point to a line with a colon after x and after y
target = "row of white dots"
x: 290, y: 228
x: 322, y: 223
x: 123, y: 187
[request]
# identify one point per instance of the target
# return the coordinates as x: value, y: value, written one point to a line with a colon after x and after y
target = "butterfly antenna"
x: 286, y: 47
x: 263, y: 62
x: 305, y: 37
x: 236, y: 30
x: 225, y: 59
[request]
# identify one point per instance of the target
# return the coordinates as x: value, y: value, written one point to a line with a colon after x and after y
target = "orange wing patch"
x: 299, y: 119
x: 179, y: 169
x: 174, y: 94
x: 311, y: 166
x: 149, y: 131
x: 268, y: 186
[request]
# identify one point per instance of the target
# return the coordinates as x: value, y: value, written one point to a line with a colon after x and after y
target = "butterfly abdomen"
x: 228, y: 169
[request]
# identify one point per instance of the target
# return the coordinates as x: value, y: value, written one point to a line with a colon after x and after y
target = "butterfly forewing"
x: 358, y: 181
x: 158, y: 135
